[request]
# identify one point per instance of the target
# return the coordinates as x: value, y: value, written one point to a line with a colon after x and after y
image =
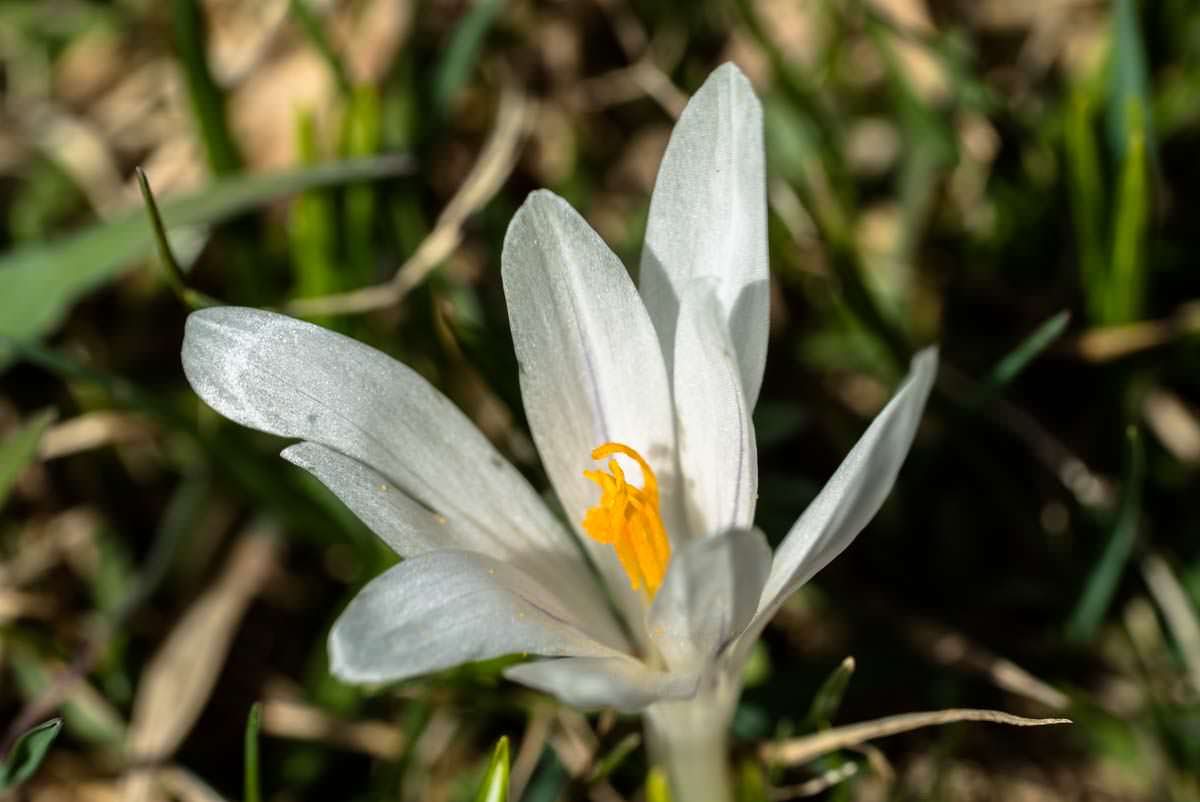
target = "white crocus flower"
x: 639, y: 401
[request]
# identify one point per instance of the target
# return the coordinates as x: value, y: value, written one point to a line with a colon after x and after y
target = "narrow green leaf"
x: 1026, y: 351
x: 1127, y: 277
x: 495, y: 782
x: 460, y: 55
x: 38, y: 283
x: 252, y: 789
x: 829, y: 696
x: 171, y: 269
x: 312, y: 228
x: 658, y: 789
x: 1129, y: 107
x: 19, y: 449
x: 615, y: 757
x: 206, y: 96
x: 751, y: 782
x: 362, y: 136
x: 1086, y: 188
x: 28, y: 753
x: 1105, y: 576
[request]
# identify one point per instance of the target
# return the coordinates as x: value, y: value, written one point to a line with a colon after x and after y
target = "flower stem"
x: 690, y: 740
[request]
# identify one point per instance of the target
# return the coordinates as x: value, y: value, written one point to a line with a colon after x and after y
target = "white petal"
x: 295, y: 379
x: 708, y: 220
x: 851, y: 497
x: 709, y: 596
x: 407, y: 526
x: 717, y: 454
x: 411, y: 528
x: 444, y: 608
x: 621, y: 683
x: 590, y: 367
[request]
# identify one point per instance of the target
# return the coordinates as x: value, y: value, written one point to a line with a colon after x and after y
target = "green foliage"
x: 28, y: 753
x: 1106, y: 573
x: 41, y: 282
x: 252, y: 784
x: 828, y: 698
x: 19, y: 449
x: 494, y: 787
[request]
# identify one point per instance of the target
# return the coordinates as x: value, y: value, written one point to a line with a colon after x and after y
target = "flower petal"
x: 444, y: 608
x: 621, y: 683
x: 590, y: 367
x: 294, y: 379
x: 851, y: 497
x: 708, y: 219
x: 411, y: 528
x: 709, y: 596
x: 718, y: 457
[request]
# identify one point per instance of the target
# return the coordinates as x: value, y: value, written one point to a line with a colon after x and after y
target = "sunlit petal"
x: 709, y: 596
x: 617, y: 682
x: 717, y: 454
x: 852, y: 495
x: 590, y: 368
x: 708, y: 220
x: 444, y: 608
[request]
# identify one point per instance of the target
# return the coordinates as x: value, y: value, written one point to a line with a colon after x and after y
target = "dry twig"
x: 491, y: 170
x: 292, y: 719
x: 809, y: 747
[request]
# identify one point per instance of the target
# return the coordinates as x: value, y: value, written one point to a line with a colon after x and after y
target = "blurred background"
x: 1014, y: 180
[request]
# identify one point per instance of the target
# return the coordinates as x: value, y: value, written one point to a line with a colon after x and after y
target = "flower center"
x: 628, y: 519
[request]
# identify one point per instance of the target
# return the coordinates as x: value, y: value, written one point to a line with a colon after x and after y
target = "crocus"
x: 639, y: 399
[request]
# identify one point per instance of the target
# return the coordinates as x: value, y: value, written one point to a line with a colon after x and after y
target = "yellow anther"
x: 628, y: 519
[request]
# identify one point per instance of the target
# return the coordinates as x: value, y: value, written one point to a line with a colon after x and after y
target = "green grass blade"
x: 252, y: 788
x: 1105, y: 576
x: 1086, y: 187
x: 39, y: 283
x: 27, y: 753
x: 362, y: 136
x: 828, y: 698
x: 206, y: 96
x: 1127, y: 277
x: 1129, y: 106
x: 495, y: 781
x: 1029, y: 349
x: 312, y: 227
x: 657, y: 787
x: 615, y: 757
x: 19, y: 449
x: 463, y: 51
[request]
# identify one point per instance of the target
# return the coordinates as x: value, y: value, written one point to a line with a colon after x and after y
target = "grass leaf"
x: 1106, y: 574
x: 27, y: 753
x: 39, y: 283
x: 494, y: 787
x: 19, y: 449
x: 252, y: 788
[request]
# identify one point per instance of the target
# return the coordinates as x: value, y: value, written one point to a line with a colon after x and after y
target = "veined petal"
x: 621, y: 683
x: 590, y: 367
x: 718, y: 457
x: 294, y: 379
x: 444, y: 608
x: 851, y: 497
x: 708, y: 220
x: 709, y: 596
x: 410, y: 528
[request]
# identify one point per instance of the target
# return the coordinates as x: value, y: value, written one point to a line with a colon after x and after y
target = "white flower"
x: 664, y: 375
